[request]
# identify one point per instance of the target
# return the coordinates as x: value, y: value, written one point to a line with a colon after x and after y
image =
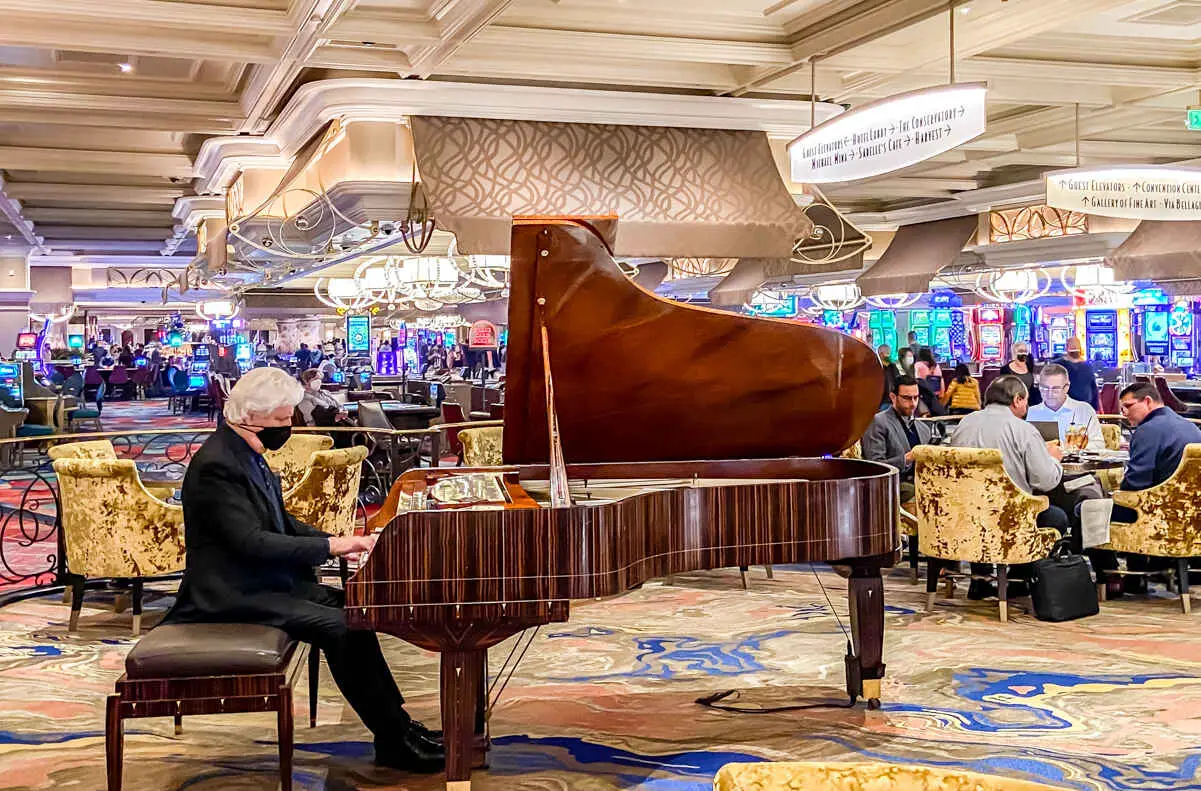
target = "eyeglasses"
x: 1059, y: 389
x: 913, y: 398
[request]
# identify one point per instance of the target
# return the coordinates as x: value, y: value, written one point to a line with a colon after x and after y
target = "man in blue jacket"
x: 1155, y: 451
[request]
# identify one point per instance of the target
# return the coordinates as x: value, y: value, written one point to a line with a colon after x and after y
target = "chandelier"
x: 1013, y: 285
x: 1092, y: 282
x: 218, y: 309
x: 56, y: 317
x: 839, y: 297
x: 343, y: 294
x: 893, y: 301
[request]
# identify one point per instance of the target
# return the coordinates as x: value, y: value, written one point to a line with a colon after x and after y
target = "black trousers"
x: 314, y: 614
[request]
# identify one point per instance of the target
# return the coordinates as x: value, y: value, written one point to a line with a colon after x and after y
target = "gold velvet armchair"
x: 786, y: 776
x: 328, y: 494
x: 102, y: 449
x: 113, y: 527
x: 968, y: 508
x: 482, y: 446
x: 292, y: 461
x: 1168, y: 523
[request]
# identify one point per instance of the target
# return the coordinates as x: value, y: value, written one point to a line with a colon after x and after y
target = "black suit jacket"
x: 245, y: 552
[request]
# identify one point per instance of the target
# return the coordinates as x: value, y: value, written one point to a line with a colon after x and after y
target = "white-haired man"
x: 249, y: 561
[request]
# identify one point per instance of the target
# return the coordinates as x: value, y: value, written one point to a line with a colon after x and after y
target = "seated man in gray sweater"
x: 1034, y: 465
x: 894, y: 432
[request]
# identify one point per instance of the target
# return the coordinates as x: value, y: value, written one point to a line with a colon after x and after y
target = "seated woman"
x: 319, y: 408
x: 962, y: 396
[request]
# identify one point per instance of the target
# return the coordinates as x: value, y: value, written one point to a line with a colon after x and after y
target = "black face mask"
x: 273, y: 437
x: 1023, y: 358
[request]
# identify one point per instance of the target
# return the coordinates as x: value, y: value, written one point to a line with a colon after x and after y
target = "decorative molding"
x: 221, y: 158
x: 1034, y: 222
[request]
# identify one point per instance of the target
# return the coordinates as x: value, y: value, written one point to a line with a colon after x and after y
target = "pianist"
x: 249, y: 561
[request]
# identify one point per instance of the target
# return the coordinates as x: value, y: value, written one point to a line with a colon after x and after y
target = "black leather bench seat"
x: 209, y: 649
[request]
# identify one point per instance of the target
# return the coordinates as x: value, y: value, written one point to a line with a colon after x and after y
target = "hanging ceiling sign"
x: 890, y: 134
x: 1136, y: 192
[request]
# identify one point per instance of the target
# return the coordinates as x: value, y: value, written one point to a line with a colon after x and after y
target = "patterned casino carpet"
x: 605, y: 701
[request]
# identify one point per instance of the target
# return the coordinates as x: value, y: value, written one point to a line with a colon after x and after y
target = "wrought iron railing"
x: 32, y: 554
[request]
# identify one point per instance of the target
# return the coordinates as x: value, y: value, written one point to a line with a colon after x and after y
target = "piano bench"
x: 207, y: 668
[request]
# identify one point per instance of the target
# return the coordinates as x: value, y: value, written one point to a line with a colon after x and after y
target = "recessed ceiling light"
x: 965, y: 9
x: 125, y: 68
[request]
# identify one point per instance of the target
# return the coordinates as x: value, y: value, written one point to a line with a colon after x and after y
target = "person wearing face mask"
x: 1083, y: 386
x: 250, y: 561
x: 319, y: 408
x: 1022, y: 367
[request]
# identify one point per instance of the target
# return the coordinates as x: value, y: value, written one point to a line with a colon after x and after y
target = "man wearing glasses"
x: 894, y: 432
x: 1155, y: 452
x: 1058, y: 407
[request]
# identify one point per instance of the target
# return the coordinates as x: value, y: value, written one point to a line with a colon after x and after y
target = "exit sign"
x: 1193, y: 120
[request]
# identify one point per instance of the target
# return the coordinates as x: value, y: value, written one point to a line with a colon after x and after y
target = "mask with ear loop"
x: 272, y: 437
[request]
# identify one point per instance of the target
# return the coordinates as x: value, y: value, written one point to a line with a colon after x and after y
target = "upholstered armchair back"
x: 482, y: 447
x: 968, y: 508
x: 327, y: 494
x: 767, y: 776
x: 1169, y: 515
x: 112, y: 526
x: 853, y: 452
x: 292, y: 460
x: 90, y: 449
x: 1112, y: 433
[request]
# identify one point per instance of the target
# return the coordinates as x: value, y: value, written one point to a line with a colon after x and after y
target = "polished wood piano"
x: 690, y: 438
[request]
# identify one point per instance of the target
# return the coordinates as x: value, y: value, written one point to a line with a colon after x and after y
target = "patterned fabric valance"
x: 675, y: 192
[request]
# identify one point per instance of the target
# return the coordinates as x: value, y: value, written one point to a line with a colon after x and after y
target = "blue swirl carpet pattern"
x: 606, y: 701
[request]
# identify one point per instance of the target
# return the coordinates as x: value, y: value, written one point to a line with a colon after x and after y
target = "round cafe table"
x: 1079, y: 465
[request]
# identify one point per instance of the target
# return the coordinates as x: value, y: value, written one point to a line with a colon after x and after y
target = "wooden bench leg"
x: 178, y: 724
x: 114, y: 741
x: 285, y: 738
x: 1003, y: 591
x: 314, y: 674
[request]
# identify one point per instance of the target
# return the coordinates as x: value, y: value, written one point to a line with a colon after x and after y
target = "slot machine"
x: 919, y: 325
x: 1101, y: 337
x: 883, y: 326
x: 990, y: 334
x: 243, y: 356
x: 386, y: 359
x: 1182, y: 341
x: 201, y: 359
x: 1155, y: 336
x: 1020, y: 331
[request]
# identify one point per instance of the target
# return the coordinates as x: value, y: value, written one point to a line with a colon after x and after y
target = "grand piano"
x: 643, y: 438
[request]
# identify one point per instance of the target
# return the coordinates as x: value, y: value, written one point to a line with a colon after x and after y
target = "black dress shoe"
x: 412, y: 752
x: 428, y: 733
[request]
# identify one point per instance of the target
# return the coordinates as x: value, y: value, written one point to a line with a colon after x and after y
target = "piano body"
x: 692, y: 439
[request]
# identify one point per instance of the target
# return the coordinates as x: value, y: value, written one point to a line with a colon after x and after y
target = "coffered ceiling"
x: 104, y: 105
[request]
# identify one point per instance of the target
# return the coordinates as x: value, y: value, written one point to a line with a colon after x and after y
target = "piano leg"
x: 865, y: 666
x: 461, y: 680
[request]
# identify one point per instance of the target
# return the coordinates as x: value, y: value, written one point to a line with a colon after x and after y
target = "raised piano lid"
x: 642, y: 378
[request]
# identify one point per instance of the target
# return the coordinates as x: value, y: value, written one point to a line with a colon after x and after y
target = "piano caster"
x: 458, y: 785
x: 871, y: 691
x: 742, y: 573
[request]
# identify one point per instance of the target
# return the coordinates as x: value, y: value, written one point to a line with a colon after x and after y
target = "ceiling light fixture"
x: 126, y: 68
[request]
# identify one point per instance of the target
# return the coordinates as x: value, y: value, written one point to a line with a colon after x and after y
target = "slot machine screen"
x: 74, y: 341
x: 197, y: 381
x: 25, y: 355
x: 242, y: 352
x: 27, y: 340
x: 338, y: 378
x: 10, y: 384
x: 141, y: 362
